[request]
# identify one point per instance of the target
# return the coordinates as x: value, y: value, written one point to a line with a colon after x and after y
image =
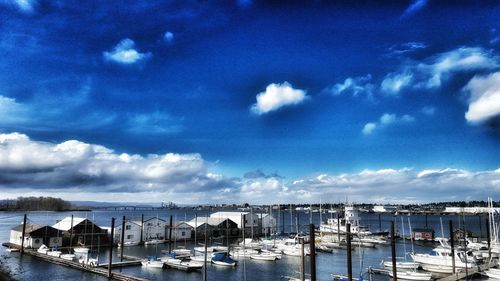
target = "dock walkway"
x: 97, y: 270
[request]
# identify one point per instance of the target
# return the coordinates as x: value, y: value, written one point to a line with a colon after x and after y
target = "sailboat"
x: 402, y: 264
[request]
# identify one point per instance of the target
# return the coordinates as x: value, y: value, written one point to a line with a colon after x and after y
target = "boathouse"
x: 132, y: 233
x: 81, y: 232
x: 182, y: 230
x: 154, y: 228
x: 267, y: 223
x: 35, y: 235
x: 216, y: 227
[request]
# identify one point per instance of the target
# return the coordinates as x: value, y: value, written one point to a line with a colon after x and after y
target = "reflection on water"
x: 28, y: 268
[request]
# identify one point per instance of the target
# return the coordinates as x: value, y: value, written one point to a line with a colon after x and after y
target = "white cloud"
x: 458, y: 60
x: 354, y: 86
x: 277, y: 96
x: 393, y: 83
x: 433, y: 71
x: 369, y: 128
x: 168, y: 37
x: 156, y: 122
x: 415, y: 6
x: 484, y: 101
x: 25, y: 6
x: 125, y: 53
x: 385, y: 120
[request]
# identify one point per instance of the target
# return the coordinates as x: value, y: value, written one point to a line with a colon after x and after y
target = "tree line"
x: 35, y: 204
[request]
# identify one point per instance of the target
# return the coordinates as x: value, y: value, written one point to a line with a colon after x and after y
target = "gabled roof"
x: 228, y: 214
x: 65, y: 224
x: 209, y: 220
x: 30, y: 227
x: 155, y: 218
x: 130, y: 222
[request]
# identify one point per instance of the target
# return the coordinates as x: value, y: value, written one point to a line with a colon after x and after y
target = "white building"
x: 470, y: 210
x: 182, y: 230
x: 251, y: 219
x: 384, y: 209
x: 268, y: 224
x: 154, y: 228
x: 132, y: 232
x: 35, y: 236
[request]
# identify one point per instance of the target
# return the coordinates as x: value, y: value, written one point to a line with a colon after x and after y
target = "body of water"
x: 28, y: 268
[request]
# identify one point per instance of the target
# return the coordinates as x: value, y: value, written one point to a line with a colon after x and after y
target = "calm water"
x: 27, y: 268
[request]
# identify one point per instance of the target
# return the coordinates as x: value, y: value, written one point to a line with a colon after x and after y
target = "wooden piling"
x: 122, y: 240
x: 312, y: 250
x: 170, y: 236
x: 452, y: 244
x: 393, y: 253
x: 22, y: 234
x: 349, y: 249
x: 110, y: 264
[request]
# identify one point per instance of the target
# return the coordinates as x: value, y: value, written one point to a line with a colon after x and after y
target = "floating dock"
x: 97, y: 270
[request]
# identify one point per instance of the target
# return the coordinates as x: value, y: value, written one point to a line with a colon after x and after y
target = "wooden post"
x: 393, y: 252
x: 71, y: 235
x: 465, y: 246
x: 142, y: 228
x: 195, y: 227
x: 205, y: 258
x: 379, y: 222
x: 22, y: 234
x: 170, y: 236
x: 122, y: 240
x: 302, y: 265
x: 312, y: 252
x: 349, y: 249
x: 338, y: 227
x: 452, y: 245
x: 111, y: 246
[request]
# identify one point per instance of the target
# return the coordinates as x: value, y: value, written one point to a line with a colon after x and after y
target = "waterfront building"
x: 81, y: 232
x: 216, y: 227
x: 154, y: 228
x: 35, y: 235
x: 385, y: 209
x: 132, y: 233
x: 267, y: 223
x: 422, y: 234
x: 182, y: 230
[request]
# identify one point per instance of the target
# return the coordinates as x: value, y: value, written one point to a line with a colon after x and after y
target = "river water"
x: 28, y: 268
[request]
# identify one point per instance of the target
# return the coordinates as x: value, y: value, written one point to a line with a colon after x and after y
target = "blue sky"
x: 250, y: 101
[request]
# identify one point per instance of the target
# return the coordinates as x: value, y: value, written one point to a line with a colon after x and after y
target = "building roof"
x: 228, y: 214
x: 65, y: 224
x: 155, y: 218
x: 129, y: 222
x: 209, y: 220
x: 30, y: 227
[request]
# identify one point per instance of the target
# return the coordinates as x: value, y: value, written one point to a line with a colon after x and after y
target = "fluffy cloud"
x: 354, y: 86
x: 277, y: 96
x: 125, y: 53
x: 428, y: 110
x: 484, y: 101
x: 25, y: 6
x: 385, y: 120
x: 74, y: 165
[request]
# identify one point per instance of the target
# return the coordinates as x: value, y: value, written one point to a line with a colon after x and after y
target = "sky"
x: 200, y: 102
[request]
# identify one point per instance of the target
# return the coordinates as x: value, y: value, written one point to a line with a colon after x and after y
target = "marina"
x: 269, y: 252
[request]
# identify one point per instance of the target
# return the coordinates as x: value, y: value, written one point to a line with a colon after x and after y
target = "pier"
x: 97, y: 270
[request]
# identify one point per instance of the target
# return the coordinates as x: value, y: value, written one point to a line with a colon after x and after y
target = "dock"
x: 97, y: 270
x: 470, y: 272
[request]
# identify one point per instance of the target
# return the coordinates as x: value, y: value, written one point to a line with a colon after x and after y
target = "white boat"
x: 152, y: 242
x: 264, y: 257
x: 402, y: 265
x: 12, y: 250
x: 130, y: 243
x: 54, y: 253
x: 43, y: 249
x: 444, y: 269
x: 182, y: 252
x: 201, y: 258
x: 244, y: 252
x: 68, y: 257
x: 152, y: 262
x: 412, y: 275
x: 81, y: 250
x: 351, y: 216
x: 440, y: 258
x: 493, y: 273
x: 180, y: 264
x: 93, y: 262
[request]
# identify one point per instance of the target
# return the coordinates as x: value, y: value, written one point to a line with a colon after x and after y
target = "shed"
x: 423, y: 234
x: 81, y: 232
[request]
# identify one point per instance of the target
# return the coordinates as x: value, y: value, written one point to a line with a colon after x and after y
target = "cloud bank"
x: 385, y: 120
x: 277, y: 96
x: 76, y: 170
